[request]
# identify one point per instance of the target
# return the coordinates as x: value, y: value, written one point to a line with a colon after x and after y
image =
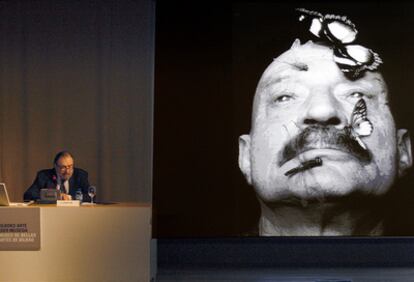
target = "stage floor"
x: 287, y: 275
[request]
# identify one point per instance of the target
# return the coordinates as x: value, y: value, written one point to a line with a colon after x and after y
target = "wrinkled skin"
x: 304, y: 87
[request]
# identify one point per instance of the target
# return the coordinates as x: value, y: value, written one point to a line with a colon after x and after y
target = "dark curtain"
x: 77, y: 76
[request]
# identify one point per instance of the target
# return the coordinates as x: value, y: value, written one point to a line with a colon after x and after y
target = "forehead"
x: 312, y: 63
x: 65, y: 160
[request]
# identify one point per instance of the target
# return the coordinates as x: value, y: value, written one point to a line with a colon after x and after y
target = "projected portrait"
x: 273, y: 119
x: 324, y: 151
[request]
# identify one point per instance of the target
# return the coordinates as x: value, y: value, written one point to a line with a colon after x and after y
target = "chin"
x: 321, y: 191
x: 318, y: 187
x: 317, y: 194
x: 331, y: 184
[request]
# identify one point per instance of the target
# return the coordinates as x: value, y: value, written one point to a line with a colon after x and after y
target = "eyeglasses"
x: 64, y: 167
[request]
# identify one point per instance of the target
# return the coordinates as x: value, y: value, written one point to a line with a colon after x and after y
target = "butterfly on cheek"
x: 360, y: 125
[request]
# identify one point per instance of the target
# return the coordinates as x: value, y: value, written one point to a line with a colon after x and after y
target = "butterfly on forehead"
x: 340, y: 32
x: 360, y: 126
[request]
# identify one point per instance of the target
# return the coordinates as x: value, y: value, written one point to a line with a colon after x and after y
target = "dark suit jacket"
x: 47, y: 179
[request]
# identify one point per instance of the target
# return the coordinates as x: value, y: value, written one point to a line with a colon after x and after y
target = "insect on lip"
x: 304, y: 166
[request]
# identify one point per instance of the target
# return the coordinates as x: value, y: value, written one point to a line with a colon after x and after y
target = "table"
x: 88, y: 243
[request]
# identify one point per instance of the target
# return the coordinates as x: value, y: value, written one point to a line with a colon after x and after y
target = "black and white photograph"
x: 283, y: 119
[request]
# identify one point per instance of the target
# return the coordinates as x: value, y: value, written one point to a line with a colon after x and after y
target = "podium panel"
x: 88, y: 243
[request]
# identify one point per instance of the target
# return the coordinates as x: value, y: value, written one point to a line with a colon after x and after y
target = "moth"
x: 351, y: 58
x: 336, y: 29
x: 360, y: 125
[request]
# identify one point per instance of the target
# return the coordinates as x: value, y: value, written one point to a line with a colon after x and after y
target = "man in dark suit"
x: 64, y: 177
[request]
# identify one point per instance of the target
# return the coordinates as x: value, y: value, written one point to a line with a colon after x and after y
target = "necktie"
x: 62, y: 187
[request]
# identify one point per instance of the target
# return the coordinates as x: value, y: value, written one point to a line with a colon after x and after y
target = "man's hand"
x: 65, y: 197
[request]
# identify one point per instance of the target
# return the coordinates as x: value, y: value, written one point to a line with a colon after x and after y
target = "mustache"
x: 323, y: 137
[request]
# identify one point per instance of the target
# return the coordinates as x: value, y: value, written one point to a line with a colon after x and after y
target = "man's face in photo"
x: 304, y: 93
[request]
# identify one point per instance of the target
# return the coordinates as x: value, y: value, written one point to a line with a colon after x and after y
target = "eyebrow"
x: 273, y: 81
x: 300, y: 66
x: 375, y: 82
x: 294, y: 66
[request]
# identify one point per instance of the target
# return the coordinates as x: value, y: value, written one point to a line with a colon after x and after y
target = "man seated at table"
x: 64, y: 177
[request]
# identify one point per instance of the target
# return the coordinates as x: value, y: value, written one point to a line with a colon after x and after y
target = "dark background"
x: 208, y: 60
x: 78, y: 76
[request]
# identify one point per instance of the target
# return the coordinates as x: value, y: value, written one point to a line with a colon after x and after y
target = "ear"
x: 244, y: 157
x: 405, y: 160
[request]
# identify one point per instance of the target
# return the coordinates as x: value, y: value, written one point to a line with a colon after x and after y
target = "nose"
x: 322, y: 108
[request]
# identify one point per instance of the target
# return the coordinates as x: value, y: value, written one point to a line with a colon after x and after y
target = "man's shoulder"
x: 46, y: 172
x: 80, y: 172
